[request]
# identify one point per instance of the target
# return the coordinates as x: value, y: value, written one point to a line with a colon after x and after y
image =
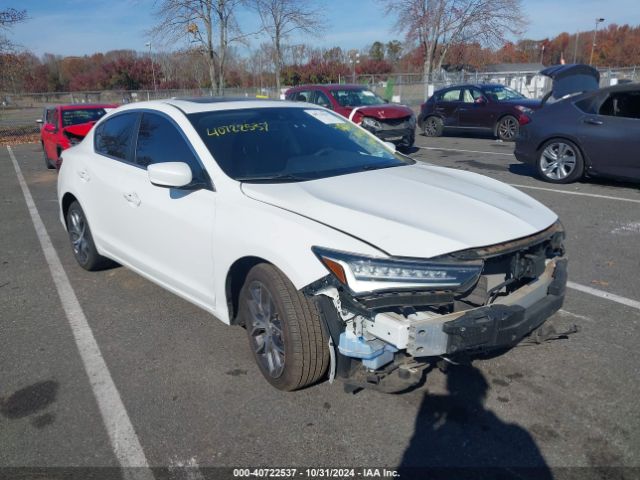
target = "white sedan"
x: 339, y: 256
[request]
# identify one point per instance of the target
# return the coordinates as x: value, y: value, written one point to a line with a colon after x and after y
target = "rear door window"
x: 451, y: 96
x: 113, y: 138
x: 302, y: 96
x: 322, y: 100
x: 622, y: 104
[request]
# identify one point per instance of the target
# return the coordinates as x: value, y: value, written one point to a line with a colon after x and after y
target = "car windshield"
x: 285, y: 144
x: 500, y: 92
x: 81, y: 115
x: 357, y: 98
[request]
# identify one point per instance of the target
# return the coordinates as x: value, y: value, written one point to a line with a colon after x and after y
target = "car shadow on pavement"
x: 456, y: 436
x: 523, y: 170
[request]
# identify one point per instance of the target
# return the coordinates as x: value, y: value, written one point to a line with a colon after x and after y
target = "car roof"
x: 210, y: 104
x: 330, y: 86
x: 74, y: 106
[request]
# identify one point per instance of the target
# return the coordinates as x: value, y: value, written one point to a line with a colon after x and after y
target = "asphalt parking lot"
x: 194, y: 397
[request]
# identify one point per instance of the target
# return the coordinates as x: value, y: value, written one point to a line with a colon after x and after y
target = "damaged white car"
x: 340, y: 256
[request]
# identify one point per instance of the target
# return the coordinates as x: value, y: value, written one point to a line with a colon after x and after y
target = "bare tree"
x: 434, y: 23
x: 280, y: 18
x: 209, y: 23
x: 8, y: 18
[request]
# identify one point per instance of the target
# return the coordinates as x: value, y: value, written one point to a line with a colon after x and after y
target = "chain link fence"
x: 409, y: 88
x: 19, y: 112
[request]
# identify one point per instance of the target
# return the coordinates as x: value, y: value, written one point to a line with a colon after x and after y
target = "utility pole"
x: 153, y: 71
x: 355, y: 58
x: 593, y: 45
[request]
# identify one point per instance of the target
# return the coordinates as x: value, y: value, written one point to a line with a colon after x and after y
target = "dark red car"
x: 389, y: 122
x: 491, y: 108
x: 62, y: 126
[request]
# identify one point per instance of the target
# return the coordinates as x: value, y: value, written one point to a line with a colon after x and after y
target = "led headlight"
x: 370, y: 122
x: 366, y: 274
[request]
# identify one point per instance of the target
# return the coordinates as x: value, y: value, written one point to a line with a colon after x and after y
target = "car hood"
x: 383, y: 112
x: 79, y: 130
x: 412, y: 211
x: 570, y: 79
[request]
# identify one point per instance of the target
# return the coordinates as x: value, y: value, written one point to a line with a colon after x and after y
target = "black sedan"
x: 490, y: 108
x: 589, y: 131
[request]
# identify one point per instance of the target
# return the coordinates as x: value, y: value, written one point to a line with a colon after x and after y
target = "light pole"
x: 354, y: 59
x: 593, y: 45
x: 153, y: 71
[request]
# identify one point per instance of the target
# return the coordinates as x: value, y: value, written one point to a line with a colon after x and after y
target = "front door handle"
x: 84, y: 175
x: 593, y: 121
x: 132, y: 198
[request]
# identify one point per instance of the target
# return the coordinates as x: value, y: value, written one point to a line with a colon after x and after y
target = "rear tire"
x: 83, y: 247
x: 507, y: 128
x: 284, y: 329
x: 47, y: 162
x: 560, y: 161
x: 433, y: 126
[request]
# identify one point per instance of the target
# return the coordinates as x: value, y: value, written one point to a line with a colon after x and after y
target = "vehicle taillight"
x: 523, y: 119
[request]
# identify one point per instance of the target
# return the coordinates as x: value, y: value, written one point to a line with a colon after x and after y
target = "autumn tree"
x: 435, y: 25
x: 376, y: 51
x: 280, y: 18
x: 211, y: 24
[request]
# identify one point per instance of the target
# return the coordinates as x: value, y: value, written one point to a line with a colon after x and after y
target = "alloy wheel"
x: 77, y: 233
x: 431, y: 127
x: 557, y: 161
x: 265, y: 329
x: 508, y: 128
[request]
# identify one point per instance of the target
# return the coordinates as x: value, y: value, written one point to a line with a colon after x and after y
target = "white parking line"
x: 467, y: 151
x: 582, y: 194
x: 606, y: 295
x: 122, y: 435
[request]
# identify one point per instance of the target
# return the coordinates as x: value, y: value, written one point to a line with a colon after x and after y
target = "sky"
x: 79, y: 27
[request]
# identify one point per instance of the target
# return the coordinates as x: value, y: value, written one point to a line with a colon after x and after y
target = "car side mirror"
x: 170, y: 174
x: 50, y: 127
x: 391, y: 145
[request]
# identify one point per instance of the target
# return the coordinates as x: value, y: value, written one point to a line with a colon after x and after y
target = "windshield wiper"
x: 286, y: 177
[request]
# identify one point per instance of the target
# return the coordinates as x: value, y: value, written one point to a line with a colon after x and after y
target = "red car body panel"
x: 395, y: 122
x: 55, y: 137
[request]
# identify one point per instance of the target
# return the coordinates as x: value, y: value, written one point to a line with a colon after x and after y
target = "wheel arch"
x: 234, y: 281
x: 67, y: 199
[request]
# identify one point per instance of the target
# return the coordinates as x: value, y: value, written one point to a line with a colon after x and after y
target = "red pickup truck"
x: 63, y: 126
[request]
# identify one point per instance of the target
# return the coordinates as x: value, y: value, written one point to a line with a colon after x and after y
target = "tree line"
x: 436, y: 35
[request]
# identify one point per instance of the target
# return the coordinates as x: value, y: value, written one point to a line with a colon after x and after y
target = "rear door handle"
x: 84, y: 175
x: 132, y: 198
x: 593, y: 121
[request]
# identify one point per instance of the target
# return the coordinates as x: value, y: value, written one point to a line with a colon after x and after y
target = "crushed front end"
x: 389, y: 319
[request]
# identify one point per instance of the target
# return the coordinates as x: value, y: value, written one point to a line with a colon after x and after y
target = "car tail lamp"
x: 524, y: 116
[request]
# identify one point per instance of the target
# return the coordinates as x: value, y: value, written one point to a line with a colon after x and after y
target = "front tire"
x: 433, y: 126
x: 560, y: 161
x: 284, y: 330
x: 84, y: 249
x: 507, y: 128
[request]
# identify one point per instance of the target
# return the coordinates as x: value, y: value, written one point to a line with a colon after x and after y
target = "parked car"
x: 63, y: 126
x: 490, y: 108
x: 594, y: 132
x: 388, y: 121
x: 289, y: 220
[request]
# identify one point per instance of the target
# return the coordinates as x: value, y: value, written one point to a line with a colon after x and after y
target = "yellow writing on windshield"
x: 238, y: 128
